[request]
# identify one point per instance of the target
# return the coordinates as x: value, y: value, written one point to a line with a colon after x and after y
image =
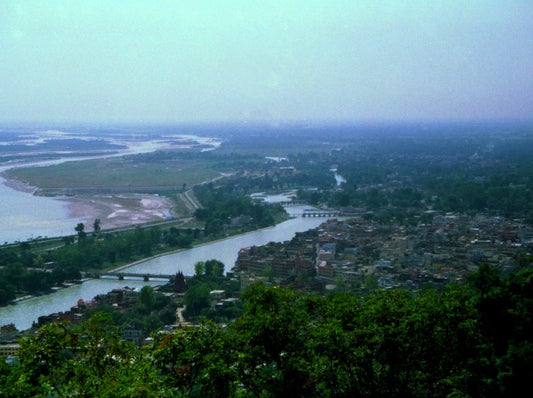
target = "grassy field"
x: 118, y: 174
x: 243, y: 149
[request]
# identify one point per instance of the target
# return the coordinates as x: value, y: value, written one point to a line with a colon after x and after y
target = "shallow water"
x: 25, y: 216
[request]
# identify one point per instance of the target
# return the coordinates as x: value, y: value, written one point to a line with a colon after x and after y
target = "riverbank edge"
x: 16, y: 184
x: 126, y: 266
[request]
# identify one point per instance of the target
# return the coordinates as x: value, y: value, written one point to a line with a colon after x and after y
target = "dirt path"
x: 190, y: 200
x: 181, y: 319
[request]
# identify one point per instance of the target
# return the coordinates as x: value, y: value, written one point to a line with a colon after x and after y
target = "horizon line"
x: 266, y: 123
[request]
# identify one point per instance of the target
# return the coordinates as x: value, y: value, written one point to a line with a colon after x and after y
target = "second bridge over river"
x: 321, y: 213
x: 312, y: 212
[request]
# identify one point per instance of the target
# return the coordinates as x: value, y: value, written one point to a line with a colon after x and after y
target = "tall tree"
x: 80, y: 229
x: 97, y: 225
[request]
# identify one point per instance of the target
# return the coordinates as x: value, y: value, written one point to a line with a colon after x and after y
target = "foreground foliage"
x: 472, y: 340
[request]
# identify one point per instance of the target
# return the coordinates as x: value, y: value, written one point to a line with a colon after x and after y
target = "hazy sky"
x: 216, y: 60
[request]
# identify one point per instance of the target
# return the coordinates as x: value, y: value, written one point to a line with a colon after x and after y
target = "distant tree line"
x: 456, y: 172
x: 22, y: 271
x: 222, y: 204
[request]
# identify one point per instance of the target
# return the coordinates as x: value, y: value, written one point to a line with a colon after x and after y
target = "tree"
x: 146, y: 297
x: 270, y: 339
x: 340, y: 283
x: 180, y: 285
x: 371, y: 282
x: 7, y: 293
x: 88, y: 360
x: 97, y: 225
x: 268, y: 273
x: 505, y: 309
x: 80, y: 230
x: 199, y: 268
x: 214, y: 269
x: 68, y: 240
x: 197, y: 299
x: 196, y: 362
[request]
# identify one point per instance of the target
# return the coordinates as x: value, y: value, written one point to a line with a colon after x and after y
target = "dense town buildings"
x: 357, y: 253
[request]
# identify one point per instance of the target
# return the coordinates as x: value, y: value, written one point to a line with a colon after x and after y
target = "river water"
x: 225, y: 250
x: 24, y: 313
x: 24, y: 216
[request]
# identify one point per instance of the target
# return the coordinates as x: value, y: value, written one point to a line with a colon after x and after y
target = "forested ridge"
x: 471, y: 340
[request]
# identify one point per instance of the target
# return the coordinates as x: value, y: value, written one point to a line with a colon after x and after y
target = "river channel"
x: 24, y: 216
x: 24, y: 313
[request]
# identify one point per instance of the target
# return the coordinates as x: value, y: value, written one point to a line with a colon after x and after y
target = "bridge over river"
x: 145, y: 276
x: 321, y: 213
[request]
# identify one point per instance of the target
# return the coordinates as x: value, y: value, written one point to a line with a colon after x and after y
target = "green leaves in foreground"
x: 90, y: 361
x: 473, y: 340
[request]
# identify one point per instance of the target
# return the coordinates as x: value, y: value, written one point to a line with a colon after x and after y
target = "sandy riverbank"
x: 119, y: 210
x: 113, y: 210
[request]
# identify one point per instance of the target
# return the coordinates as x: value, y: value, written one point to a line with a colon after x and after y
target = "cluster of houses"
x: 355, y: 253
x: 122, y: 298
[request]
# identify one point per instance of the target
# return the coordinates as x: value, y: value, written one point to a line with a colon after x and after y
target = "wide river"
x: 24, y: 216
x: 24, y: 313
